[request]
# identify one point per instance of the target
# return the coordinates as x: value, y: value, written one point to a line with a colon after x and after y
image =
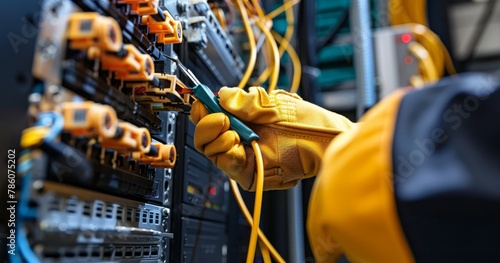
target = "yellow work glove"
x: 293, y: 135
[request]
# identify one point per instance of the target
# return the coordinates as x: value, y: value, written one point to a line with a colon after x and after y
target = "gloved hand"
x: 293, y: 135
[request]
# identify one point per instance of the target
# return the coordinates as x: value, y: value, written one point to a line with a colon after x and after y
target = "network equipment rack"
x: 201, y: 194
x: 109, y: 171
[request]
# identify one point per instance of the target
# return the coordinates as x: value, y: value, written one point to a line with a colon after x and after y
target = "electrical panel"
x: 396, y: 65
x: 109, y: 169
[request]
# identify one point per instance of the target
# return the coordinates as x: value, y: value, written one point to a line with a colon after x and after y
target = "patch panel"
x: 108, y: 252
x: 214, y: 51
x: 76, y: 224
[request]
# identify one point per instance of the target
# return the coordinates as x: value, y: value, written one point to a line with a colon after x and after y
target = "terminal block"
x: 89, y: 118
x: 141, y: 7
x: 134, y: 66
x: 131, y: 139
x: 171, y: 94
x: 168, y: 31
x: 89, y: 29
x: 164, y: 156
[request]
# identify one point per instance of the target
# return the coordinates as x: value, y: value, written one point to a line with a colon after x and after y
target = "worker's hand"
x: 293, y: 135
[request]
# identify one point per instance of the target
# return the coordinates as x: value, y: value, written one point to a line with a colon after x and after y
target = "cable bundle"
x: 252, y: 13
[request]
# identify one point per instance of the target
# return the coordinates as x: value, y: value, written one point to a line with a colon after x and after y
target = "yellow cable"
x: 276, y: 12
x: 221, y: 17
x: 273, y: 68
x: 266, y: 50
x: 417, y: 81
x: 435, y: 46
x: 248, y: 217
x: 297, y: 66
x: 266, y: 246
x: 250, y: 8
x: 275, y: 60
x: 259, y: 189
x: 431, y: 42
x: 415, y: 11
x: 258, y: 8
x: 265, y: 252
x: 427, y: 66
x: 399, y: 12
x: 264, y: 75
x: 290, y: 20
x: 284, y: 45
x: 251, y: 41
x: 418, y: 11
x: 414, y: 14
x: 269, y: 56
x: 33, y: 136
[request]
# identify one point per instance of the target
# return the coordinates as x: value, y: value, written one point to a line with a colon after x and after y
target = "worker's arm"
x: 293, y: 135
x: 416, y: 181
x: 352, y: 209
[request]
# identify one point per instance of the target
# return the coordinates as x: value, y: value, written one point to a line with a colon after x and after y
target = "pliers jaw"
x: 184, y: 70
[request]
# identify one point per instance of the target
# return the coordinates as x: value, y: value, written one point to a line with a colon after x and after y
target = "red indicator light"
x: 212, y: 191
x: 408, y: 60
x: 406, y: 38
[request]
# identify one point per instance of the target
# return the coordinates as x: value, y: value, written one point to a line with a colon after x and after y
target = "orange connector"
x: 130, y: 139
x: 141, y: 7
x: 90, y: 29
x: 167, y: 32
x: 165, y: 157
x: 131, y: 62
x: 171, y: 94
x: 88, y: 118
x: 134, y: 66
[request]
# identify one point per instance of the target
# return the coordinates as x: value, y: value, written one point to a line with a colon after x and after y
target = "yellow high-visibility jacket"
x: 418, y: 180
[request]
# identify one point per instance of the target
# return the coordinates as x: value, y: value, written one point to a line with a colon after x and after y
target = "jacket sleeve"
x: 352, y: 208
